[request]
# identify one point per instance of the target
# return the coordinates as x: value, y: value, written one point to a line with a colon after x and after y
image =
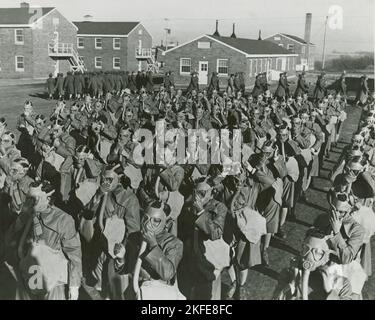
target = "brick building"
x: 303, y: 47
x: 113, y: 45
x: 27, y: 35
x: 296, y: 45
x: 227, y: 55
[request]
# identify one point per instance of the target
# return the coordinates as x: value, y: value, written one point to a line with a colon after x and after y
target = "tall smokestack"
x: 260, y: 35
x: 233, y: 33
x: 216, y: 33
x: 24, y: 5
x: 307, y: 37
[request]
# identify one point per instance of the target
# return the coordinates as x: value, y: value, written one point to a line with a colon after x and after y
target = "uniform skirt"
x: 288, y: 192
x: 270, y: 209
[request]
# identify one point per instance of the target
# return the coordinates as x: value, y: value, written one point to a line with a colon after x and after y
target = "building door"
x: 203, y: 72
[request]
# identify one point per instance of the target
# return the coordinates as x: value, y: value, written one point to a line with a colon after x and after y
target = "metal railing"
x: 60, y: 49
x: 143, y: 53
x: 67, y: 50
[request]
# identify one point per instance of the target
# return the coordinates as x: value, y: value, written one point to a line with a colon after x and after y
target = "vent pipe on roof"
x: 87, y: 18
x: 233, y: 34
x: 216, y: 33
x: 260, y: 35
x: 24, y: 5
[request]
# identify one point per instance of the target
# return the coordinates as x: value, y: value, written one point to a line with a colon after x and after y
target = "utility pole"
x: 324, y: 44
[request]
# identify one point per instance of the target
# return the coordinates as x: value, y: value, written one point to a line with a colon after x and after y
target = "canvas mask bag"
x: 52, y: 265
x: 252, y: 224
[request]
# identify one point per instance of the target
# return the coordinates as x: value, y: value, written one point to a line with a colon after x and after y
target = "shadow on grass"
x: 315, y: 206
x: 267, y: 271
x: 43, y: 96
x: 282, y: 245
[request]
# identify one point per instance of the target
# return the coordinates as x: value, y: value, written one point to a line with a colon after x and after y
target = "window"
x: 116, y: 63
x: 98, y: 62
x: 276, y: 38
x: 140, y: 31
x: 185, y: 65
x: 98, y: 43
x: 255, y: 66
x: 20, y: 64
x: 116, y: 43
x: 303, y: 50
x: 290, y: 47
x: 18, y: 34
x: 204, y: 45
x: 281, y: 45
x: 222, y: 66
x: 80, y: 43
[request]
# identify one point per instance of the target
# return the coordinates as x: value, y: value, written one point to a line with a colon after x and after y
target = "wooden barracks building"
x: 37, y: 41
x: 226, y: 56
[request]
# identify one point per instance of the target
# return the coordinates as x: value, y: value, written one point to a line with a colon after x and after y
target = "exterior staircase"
x: 148, y: 55
x: 66, y: 51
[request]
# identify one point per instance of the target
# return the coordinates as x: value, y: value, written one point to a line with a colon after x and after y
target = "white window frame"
x: 256, y: 65
x: 250, y: 67
x: 281, y: 45
x: 113, y: 63
x: 303, y: 50
x: 217, y: 67
x: 184, y: 72
x: 96, y: 65
x: 277, y: 38
x: 83, y: 40
x: 15, y: 37
x: 290, y: 46
x: 16, y: 63
x: 203, y: 45
x: 119, y: 43
x: 101, y: 42
x: 140, y: 32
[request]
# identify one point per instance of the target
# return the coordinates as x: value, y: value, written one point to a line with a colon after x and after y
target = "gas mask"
x: 79, y: 159
x: 154, y: 220
x: 18, y: 169
x: 96, y: 127
x: 203, y: 193
x: 40, y: 198
x: 7, y: 140
x: 109, y: 181
x: 56, y: 131
x: 46, y: 151
x: 315, y: 253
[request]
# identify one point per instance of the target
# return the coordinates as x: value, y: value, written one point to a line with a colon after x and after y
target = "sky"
x: 191, y: 18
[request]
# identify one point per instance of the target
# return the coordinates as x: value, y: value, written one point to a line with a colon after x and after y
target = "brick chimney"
x: 233, y: 34
x: 216, y: 33
x: 24, y: 5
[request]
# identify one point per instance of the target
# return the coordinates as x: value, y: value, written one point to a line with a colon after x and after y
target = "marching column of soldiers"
x: 80, y: 214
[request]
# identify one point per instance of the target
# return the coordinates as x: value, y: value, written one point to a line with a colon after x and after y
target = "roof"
x: 298, y: 39
x: 248, y: 47
x: 21, y: 16
x: 252, y: 46
x: 105, y: 28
